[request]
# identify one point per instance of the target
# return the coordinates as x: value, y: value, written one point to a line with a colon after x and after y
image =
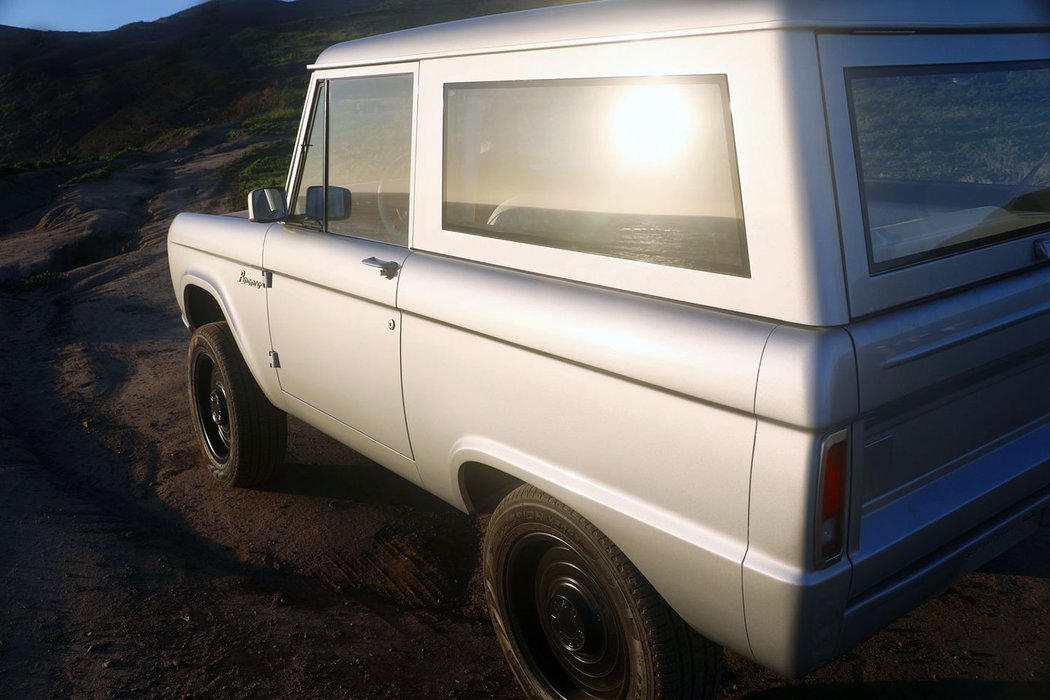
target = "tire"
x: 243, y: 435
x: 576, y: 619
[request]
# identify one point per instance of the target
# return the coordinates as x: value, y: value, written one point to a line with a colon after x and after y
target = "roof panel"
x: 615, y: 20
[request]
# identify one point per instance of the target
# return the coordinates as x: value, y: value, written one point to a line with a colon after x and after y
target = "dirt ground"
x: 124, y: 572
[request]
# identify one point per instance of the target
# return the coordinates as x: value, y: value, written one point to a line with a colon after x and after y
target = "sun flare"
x: 651, y: 123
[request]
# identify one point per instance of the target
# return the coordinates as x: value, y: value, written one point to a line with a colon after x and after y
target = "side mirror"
x: 338, y: 203
x: 267, y: 205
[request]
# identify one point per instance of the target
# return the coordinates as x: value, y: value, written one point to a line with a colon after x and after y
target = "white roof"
x: 604, y: 21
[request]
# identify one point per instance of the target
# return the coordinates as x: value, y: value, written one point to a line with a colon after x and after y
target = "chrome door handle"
x: 387, y: 268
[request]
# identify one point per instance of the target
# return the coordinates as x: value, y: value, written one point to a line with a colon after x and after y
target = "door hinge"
x: 267, y: 279
x: 275, y: 361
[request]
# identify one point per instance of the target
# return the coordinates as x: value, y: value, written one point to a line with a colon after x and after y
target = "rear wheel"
x: 576, y: 619
x: 243, y: 435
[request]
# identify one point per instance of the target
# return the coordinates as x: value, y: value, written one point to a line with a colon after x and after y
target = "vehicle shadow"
x: 319, y: 467
x: 952, y: 689
x: 1030, y: 558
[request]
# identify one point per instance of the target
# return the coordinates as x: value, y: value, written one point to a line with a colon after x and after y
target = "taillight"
x: 831, y: 515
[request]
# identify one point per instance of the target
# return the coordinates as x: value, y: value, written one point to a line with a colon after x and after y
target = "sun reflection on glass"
x: 651, y: 123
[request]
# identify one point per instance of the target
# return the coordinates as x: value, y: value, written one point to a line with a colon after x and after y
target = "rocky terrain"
x: 124, y: 572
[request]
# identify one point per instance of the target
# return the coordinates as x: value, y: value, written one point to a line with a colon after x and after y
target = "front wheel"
x: 243, y: 435
x: 576, y: 619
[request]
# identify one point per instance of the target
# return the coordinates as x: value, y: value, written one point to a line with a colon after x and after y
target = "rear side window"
x: 635, y: 168
x: 950, y: 157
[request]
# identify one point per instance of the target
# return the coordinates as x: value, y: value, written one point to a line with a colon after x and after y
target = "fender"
x: 201, y: 253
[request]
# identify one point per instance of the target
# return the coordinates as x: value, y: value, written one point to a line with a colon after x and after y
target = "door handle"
x: 387, y: 268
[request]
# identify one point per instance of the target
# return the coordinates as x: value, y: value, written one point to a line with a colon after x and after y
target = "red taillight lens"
x: 831, y: 524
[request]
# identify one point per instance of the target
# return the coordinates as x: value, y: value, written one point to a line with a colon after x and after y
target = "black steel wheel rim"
x: 568, y: 631
x: 212, y: 407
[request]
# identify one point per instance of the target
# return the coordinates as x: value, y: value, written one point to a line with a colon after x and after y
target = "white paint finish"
x: 915, y: 349
x: 785, y: 177
x: 794, y: 619
x: 221, y: 255
x: 713, y: 357
x: 377, y: 452
x: 330, y: 318
x: 808, y: 378
x: 230, y: 237
x: 793, y: 612
x: 632, y: 458
x: 783, y: 495
x: 617, y: 20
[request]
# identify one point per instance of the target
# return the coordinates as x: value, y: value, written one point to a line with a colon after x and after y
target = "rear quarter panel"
x: 530, y: 376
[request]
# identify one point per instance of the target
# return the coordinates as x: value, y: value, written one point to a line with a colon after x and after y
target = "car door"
x: 333, y: 266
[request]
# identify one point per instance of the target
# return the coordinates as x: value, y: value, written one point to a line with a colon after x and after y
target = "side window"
x: 357, y: 184
x: 635, y: 168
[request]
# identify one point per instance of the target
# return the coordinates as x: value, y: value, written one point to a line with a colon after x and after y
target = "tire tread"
x: 262, y: 429
x: 688, y: 665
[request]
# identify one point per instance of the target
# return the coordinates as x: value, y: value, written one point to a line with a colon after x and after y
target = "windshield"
x: 950, y: 157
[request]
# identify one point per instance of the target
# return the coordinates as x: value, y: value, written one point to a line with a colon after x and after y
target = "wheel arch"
x: 672, y: 551
x: 482, y: 486
x: 201, y: 306
x: 204, y: 302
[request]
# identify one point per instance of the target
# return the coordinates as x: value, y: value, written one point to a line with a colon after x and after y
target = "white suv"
x: 736, y: 314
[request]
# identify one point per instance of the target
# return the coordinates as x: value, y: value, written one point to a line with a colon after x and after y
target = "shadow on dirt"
x: 359, y: 482
x: 928, y: 690
x: 1033, y: 559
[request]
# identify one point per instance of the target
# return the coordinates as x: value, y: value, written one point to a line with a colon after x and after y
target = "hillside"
x: 67, y: 95
x: 93, y: 125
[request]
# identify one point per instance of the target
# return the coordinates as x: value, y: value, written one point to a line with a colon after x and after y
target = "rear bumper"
x: 870, y: 612
x: 797, y: 622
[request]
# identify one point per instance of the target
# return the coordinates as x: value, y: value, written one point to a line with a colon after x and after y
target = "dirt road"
x: 124, y: 572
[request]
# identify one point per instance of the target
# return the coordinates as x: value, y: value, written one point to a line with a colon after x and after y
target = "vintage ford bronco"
x: 736, y: 315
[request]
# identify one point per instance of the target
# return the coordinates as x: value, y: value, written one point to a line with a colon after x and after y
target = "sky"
x: 86, y: 15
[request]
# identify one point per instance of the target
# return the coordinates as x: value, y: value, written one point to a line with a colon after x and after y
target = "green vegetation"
x: 977, y: 126
x: 40, y: 280
x: 170, y: 139
x: 43, y: 280
x: 262, y: 166
x: 153, y: 85
x: 96, y: 174
x: 265, y: 166
x: 68, y: 161
x: 28, y: 165
x: 110, y: 157
x: 277, y: 122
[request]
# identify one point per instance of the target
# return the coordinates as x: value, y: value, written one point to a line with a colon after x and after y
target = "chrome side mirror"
x: 267, y: 205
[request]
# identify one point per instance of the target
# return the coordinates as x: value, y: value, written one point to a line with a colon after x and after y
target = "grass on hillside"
x: 265, y: 165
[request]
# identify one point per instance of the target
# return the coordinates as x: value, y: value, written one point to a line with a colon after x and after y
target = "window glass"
x: 636, y: 168
x: 362, y: 187
x: 950, y: 157
x: 369, y: 144
x: 313, y: 163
